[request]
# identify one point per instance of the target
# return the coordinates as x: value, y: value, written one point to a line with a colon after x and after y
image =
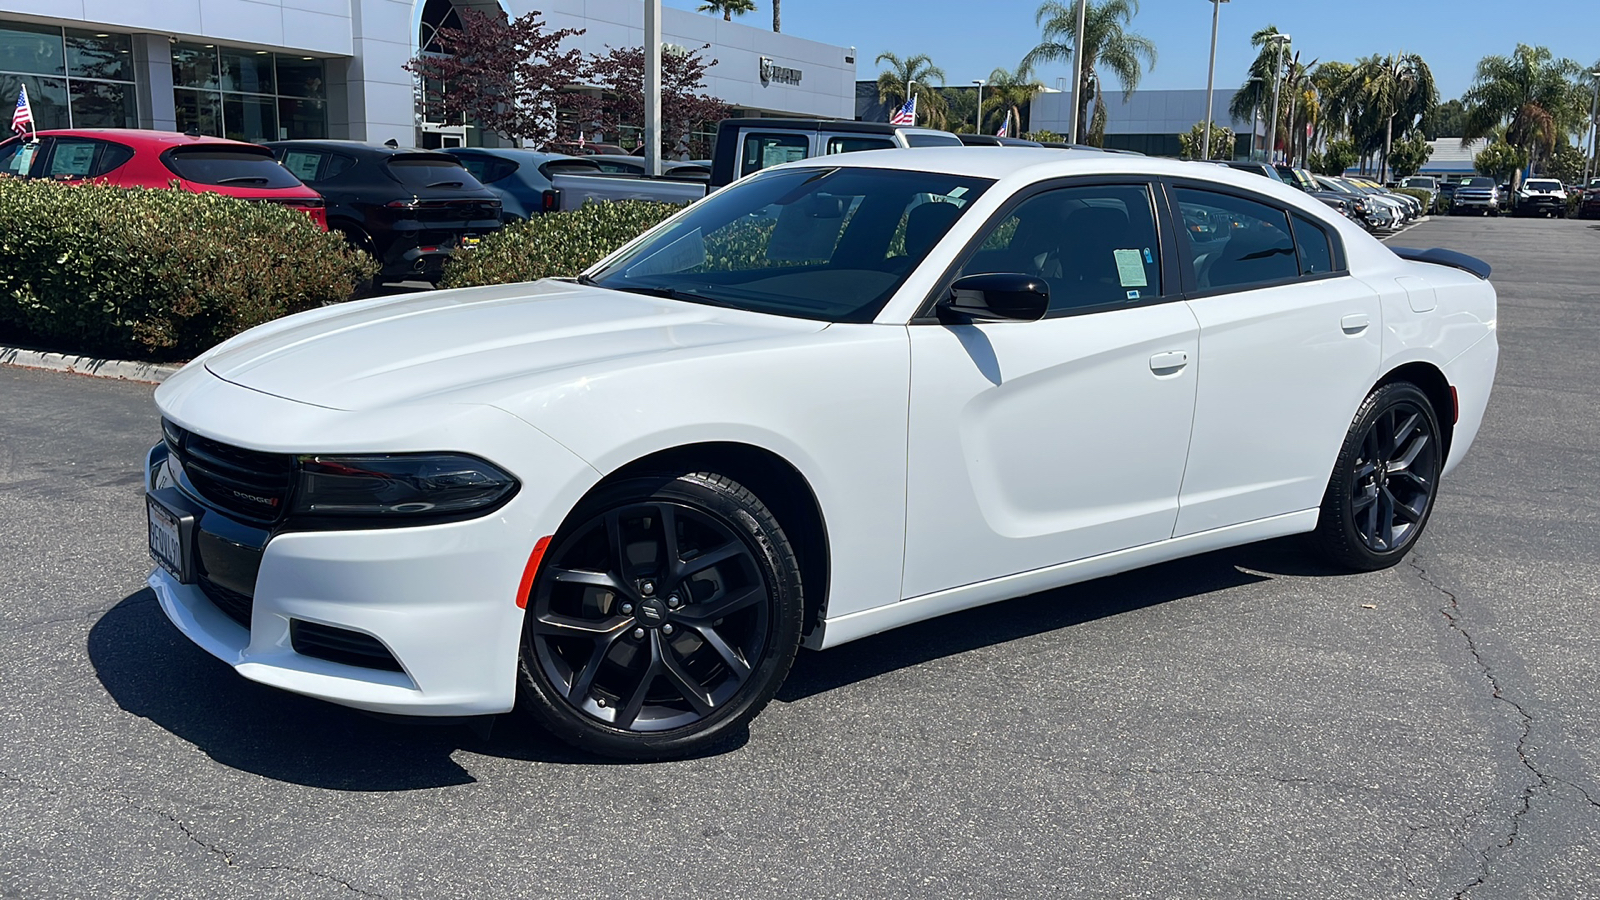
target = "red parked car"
x: 133, y: 158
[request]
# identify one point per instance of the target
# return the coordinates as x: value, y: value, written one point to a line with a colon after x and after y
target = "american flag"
x: 22, y: 119
x: 1004, y: 127
x: 907, y: 114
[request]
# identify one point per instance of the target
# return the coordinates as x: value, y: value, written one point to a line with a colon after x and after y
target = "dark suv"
x: 409, y: 208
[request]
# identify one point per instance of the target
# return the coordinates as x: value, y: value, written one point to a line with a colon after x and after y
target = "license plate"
x: 470, y: 241
x: 166, y: 539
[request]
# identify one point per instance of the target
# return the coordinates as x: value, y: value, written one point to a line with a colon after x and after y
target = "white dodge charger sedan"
x: 839, y: 396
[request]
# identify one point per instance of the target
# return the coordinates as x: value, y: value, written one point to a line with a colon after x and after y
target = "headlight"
x: 400, y: 486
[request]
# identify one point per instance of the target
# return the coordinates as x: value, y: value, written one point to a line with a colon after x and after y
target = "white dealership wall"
x: 367, y: 41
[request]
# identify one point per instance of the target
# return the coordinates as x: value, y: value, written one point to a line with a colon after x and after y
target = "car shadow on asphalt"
x: 154, y: 672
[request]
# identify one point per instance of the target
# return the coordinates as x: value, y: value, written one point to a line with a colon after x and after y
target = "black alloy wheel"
x: 1384, y: 483
x: 665, y: 615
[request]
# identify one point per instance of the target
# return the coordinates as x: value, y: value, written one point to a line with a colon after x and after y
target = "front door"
x: 1038, y: 443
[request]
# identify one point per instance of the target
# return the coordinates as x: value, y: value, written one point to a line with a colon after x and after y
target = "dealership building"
x: 272, y: 69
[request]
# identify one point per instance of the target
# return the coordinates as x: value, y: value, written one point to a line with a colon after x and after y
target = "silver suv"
x: 1477, y: 194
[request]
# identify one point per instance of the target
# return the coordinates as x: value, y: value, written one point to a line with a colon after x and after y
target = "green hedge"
x: 558, y: 244
x: 157, y: 274
x: 1421, y: 195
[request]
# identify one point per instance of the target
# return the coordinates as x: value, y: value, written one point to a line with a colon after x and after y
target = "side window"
x: 477, y: 165
x: 1096, y: 246
x: 72, y: 159
x: 844, y: 144
x: 1236, y: 242
x: 336, y: 165
x: 303, y: 164
x: 763, y: 151
x: 1316, y: 249
x: 17, y: 158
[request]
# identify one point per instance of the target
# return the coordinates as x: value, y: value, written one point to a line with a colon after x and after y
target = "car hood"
x: 405, y: 349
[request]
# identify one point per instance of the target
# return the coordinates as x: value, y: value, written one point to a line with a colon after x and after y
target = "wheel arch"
x: 778, y: 483
x: 1430, y: 379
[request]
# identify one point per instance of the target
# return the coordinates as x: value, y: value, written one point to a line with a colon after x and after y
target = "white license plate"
x: 166, y: 539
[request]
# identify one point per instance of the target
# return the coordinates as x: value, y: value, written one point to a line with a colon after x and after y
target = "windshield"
x: 1478, y: 183
x: 1544, y: 185
x: 1426, y: 184
x: 829, y: 244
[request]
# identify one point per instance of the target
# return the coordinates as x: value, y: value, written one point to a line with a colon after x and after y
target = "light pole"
x: 1277, y: 82
x: 1594, y: 131
x: 652, y: 87
x: 1077, y: 73
x: 1211, y: 76
x: 1255, y: 114
x: 977, y: 118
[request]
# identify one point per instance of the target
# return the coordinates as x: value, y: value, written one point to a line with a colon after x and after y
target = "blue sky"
x: 968, y: 38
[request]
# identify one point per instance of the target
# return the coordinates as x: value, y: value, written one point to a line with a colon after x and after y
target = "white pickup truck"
x: 745, y: 146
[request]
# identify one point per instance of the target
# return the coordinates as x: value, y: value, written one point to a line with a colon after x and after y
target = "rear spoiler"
x: 1440, y: 257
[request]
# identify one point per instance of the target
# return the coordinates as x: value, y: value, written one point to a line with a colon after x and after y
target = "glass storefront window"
x: 199, y: 112
x: 31, y: 49
x: 47, y: 96
x: 249, y: 118
x: 194, y: 66
x: 302, y: 77
x: 247, y: 71
x: 302, y: 119
x: 107, y: 57
x: 103, y: 104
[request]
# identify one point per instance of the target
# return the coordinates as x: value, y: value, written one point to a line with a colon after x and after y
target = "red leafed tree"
x: 502, y: 76
x: 684, y: 106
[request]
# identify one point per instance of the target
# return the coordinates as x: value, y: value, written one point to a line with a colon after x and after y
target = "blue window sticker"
x: 1133, y: 295
x: 1148, y: 258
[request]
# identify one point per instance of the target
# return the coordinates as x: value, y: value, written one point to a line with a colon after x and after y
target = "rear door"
x: 1290, y: 345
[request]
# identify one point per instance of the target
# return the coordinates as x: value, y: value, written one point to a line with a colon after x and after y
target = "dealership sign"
x: 771, y: 73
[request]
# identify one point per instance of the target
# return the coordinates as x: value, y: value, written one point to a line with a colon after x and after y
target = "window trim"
x: 927, y: 311
x: 1191, y: 290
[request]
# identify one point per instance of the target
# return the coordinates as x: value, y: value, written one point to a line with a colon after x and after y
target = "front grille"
x: 340, y: 645
x: 233, y: 604
x: 247, y: 483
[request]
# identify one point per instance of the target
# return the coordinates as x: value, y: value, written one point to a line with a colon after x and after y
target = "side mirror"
x: 996, y: 297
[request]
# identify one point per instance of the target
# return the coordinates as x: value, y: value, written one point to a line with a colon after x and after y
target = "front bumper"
x: 442, y: 599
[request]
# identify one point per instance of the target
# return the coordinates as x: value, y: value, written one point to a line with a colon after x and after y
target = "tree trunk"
x: 1388, y: 146
x: 777, y: 15
x: 727, y: 15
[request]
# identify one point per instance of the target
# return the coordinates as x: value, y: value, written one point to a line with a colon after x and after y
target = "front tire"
x: 666, y: 614
x: 1381, y: 493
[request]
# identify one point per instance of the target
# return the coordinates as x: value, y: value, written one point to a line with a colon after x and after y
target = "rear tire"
x: 665, y: 616
x: 1381, y: 493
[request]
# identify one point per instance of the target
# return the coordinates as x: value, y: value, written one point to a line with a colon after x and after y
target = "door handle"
x: 1355, y: 323
x: 1169, y: 362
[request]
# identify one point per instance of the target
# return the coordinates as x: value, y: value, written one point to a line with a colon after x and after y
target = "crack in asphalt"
x: 1453, y: 615
x: 227, y: 858
x: 190, y: 835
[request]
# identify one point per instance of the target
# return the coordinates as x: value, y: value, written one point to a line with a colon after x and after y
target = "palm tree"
x: 730, y: 8
x: 777, y: 15
x: 921, y: 70
x: 1105, y: 40
x: 1531, y: 93
x: 1007, y: 92
x: 1255, y: 96
x: 1397, y: 86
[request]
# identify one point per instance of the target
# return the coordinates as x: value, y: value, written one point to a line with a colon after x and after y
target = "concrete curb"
x: 86, y: 365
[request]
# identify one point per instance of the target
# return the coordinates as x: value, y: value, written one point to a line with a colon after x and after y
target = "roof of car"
x: 515, y: 153
x: 140, y: 135
x: 352, y: 146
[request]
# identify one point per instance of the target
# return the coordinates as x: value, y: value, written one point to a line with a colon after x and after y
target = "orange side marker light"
x: 531, y: 571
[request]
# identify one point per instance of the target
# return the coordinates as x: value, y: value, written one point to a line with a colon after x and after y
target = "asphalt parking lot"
x: 1242, y: 724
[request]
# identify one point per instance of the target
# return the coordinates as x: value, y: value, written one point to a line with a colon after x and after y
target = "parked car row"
x: 1367, y: 203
